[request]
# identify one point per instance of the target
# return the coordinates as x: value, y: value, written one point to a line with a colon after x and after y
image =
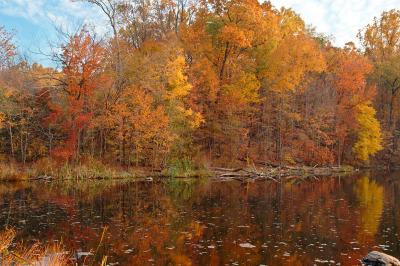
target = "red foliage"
x: 81, y: 58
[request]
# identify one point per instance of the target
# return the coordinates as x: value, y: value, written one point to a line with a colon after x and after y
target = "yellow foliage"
x: 243, y: 90
x: 2, y: 119
x: 370, y: 196
x: 237, y: 36
x: 181, y: 259
x: 178, y: 89
x: 368, y: 133
x: 290, y: 22
x: 287, y: 64
x: 177, y: 81
x: 380, y: 38
x: 139, y: 123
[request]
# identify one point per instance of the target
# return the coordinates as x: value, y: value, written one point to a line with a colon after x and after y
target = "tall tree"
x: 7, y: 48
x: 368, y: 132
x: 81, y: 59
x: 381, y: 43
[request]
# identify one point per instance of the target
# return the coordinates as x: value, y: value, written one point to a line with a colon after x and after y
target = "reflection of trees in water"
x: 191, y: 222
x: 370, y: 197
x: 182, y: 189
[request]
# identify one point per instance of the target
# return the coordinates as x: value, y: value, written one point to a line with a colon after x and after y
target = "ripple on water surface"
x: 333, y: 221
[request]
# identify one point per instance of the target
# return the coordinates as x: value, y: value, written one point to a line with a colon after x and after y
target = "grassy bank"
x: 94, y: 169
x: 47, y: 169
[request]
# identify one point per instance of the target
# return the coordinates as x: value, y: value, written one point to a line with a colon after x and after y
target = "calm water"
x: 193, y: 222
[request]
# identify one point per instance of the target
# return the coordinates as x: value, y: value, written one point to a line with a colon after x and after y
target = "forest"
x: 181, y: 84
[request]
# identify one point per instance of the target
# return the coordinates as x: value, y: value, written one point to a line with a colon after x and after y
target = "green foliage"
x: 182, y: 189
x: 213, y: 27
x: 184, y: 168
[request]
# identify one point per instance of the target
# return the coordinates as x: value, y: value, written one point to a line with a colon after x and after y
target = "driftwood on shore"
x: 376, y: 258
x: 43, y: 177
x: 241, y: 174
x: 275, y: 173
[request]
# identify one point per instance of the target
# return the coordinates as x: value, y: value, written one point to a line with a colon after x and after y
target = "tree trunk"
x: 280, y: 145
x: 391, y: 103
x: 25, y: 147
x: 339, y: 154
x: 11, y: 139
x: 221, y: 73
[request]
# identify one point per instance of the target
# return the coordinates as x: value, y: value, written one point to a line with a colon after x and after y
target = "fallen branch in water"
x: 276, y: 173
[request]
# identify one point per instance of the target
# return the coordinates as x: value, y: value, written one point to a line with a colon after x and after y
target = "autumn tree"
x: 381, y: 43
x: 369, y: 137
x: 24, y: 102
x: 181, y: 82
x: 7, y: 47
x: 183, y: 120
x: 219, y: 45
x: 7, y: 52
x: 81, y: 60
x: 349, y: 72
x: 140, y: 129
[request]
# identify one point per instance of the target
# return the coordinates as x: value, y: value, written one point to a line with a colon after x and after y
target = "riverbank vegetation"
x: 183, y: 86
x: 21, y: 254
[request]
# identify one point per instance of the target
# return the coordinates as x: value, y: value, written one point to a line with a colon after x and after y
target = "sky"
x: 340, y: 18
x: 35, y: 21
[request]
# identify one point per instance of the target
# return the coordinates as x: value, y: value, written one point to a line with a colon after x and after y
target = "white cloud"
x: 340, y: 18
x: 60, y: 13
x: 37, y: 20
x: 30, y: 10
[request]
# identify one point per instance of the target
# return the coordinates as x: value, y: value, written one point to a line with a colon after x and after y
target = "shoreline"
x: 279, y: 173
x: 273, y: 173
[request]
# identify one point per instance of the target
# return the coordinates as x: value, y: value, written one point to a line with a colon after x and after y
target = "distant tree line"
x: 211, y: 82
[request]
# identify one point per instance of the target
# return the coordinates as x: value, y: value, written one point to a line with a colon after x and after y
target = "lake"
x: 321, y: 221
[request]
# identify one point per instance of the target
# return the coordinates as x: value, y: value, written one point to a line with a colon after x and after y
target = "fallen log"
x: 376, y: 258
x: 234, y: 175
x: 43, y: 177
x: 219, y: 169
x: 275, y: 174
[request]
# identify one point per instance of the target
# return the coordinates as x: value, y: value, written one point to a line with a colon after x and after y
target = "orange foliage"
x: 81, y: 58
x: 230, y: 82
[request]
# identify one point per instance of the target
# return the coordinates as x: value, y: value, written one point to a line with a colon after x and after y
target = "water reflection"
x: 198, y: 222
x: 370, y: 197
